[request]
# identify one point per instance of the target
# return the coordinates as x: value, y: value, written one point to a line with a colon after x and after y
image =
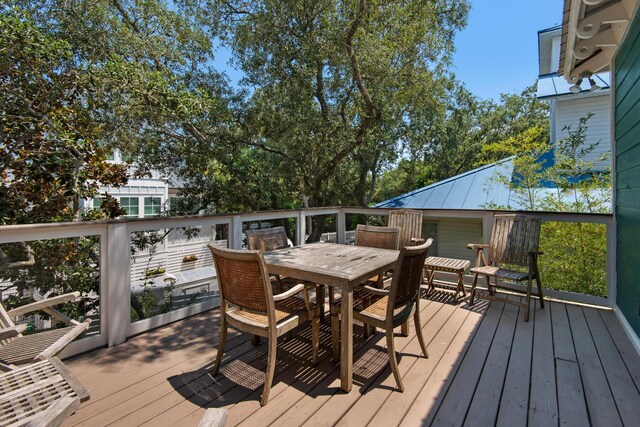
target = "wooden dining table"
x: 337, y: 266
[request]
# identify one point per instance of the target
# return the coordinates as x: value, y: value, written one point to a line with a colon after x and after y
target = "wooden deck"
x: 570, y: 365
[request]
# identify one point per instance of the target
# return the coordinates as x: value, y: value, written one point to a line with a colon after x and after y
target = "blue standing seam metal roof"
x: 476, y: 189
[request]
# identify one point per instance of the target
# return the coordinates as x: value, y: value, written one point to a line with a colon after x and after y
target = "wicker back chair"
x: 248, y: 304
x: 373, y: 236
x: 271, y: 239
x: 514, y: 241
x: 410, y: 223
x: 267, y: 239
x: 393, y: 307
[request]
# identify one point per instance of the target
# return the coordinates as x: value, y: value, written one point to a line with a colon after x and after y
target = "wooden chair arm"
x: 63, y: 341
x: 11, y: 332
x: 381, y: 292
x: 291, y: 292
x: 39, y: 305
x: 417, y: 240
x: 480, y: 259
x: 57, y: 413
x: 477, y: 246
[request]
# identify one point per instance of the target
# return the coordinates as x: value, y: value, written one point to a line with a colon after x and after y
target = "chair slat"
x: 410, y: 223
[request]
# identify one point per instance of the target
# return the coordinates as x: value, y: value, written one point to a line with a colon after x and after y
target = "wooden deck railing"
x: 115, y: 264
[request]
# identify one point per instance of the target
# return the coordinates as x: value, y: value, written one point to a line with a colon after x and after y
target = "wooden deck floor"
x: 570, y: 365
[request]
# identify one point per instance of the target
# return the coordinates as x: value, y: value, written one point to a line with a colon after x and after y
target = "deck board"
x: 543, y: 403
x: 484, y: 409
x: 486, y: 366
x: 454, y: 404
x: 625, y: 348
x: 394, y: 409
x: 622, y: 387
x: 365, y: 408
x: 514, y: 402
x: 572, y: 407
x: 600, y: 403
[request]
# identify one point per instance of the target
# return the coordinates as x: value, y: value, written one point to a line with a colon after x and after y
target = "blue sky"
x: 498, y: 50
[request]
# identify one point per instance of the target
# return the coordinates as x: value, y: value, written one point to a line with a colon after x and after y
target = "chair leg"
x: 320, y: 300
x: 255, y: 340
x: 540, y: 295
x: 492, y: 290
x: 315, y: 339
x: 537, y: 273
x: 271, y: 367
x: 335, y: 335
x: 416, y: 320
x: 392, y: 359
x: 528, y: 300
x: 473, y: 288
x: 223, y: 341
x: 404, y: 329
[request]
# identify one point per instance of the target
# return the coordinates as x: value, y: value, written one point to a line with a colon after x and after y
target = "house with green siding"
x: 601, y: 35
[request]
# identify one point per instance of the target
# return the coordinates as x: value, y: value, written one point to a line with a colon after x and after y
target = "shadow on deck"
x: 570, y: 365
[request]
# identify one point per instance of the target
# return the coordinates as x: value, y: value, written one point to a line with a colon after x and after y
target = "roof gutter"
x: 575, y: 11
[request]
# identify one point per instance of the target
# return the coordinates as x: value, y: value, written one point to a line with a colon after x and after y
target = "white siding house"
x: 567, y: 113
x: 570, y: 103
x: 185, y: 260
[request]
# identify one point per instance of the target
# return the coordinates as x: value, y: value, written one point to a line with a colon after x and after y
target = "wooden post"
x: 301, y: 227
x: 487, y: 226
x: 118, y: 271
x: 341, y: 227
x: 235, y: 232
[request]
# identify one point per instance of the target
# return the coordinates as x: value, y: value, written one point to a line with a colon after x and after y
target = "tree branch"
x: 372, y: 110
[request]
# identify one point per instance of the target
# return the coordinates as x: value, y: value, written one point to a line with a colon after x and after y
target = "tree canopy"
x: 335, y: 90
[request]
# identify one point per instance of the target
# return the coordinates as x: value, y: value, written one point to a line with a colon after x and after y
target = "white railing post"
x: 118, y: 271
x: 611, y: 264
x: 301, y: 227
x: 235, y: 232
x: 341, y: 227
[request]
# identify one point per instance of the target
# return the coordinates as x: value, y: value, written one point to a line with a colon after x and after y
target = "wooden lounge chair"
x: 248, y: 304
x: 514, y: 241
x: 410, y: 223
x: 18, y: 349
x: 43, y: 393
x: 393, y: 307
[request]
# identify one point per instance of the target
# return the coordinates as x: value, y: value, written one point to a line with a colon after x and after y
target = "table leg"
x: 346, y: 338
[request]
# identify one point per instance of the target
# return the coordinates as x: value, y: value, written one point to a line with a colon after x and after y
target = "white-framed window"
x: 130, y: 205
x: 97, y: 203
x: 152, y: 206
